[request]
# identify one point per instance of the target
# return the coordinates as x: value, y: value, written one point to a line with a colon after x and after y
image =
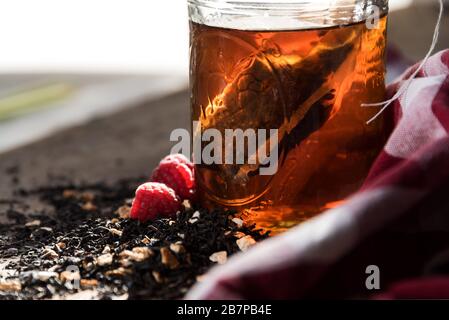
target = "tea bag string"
x: 405, y: 86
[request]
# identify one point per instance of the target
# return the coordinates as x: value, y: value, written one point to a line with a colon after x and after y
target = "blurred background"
x: 66, y: 62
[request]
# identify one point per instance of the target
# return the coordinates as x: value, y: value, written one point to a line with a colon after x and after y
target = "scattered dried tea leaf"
x: 196, y: 214
x: 137, y: 254
x: 61, y: 245
x: 87, y: 196
x: 67, y: 276
x: 54, y: 268
x: 195, y: 217
x: 49, y: 254
x: 177, y: 247
x: 186, y: 203
x: 88, y: 283
x: 219, y: 257
x: 10, y: 286
x: 89, y: 206
x: 116, y: 232
x: 123, y: 212
x: 239, y: 234
x: 143, y: 252
x: 238, y: 222
x: 89, y: 265
x: 33, y: 224
x: 41, y: 232
x: 78, y: 253
x: 157, y: 277
x: 114, y: 220
x: 168, y: 259
x: 106, y: 249
x: 245, y: 243
x: 83, y: 295
x: 69, y: 193
x: 119, y: 272
x: 39, y: 275
x: 104, y: 260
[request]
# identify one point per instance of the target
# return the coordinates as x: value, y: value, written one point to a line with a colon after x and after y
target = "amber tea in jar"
x: 300, y: 70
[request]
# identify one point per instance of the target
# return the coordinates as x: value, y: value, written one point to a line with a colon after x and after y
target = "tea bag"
x: 273, y: 91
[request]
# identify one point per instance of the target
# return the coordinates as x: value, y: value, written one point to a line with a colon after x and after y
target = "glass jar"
x: 277, y: 88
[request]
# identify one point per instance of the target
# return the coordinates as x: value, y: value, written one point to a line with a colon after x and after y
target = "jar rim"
x: 267, y: 14
x: 285, y: 5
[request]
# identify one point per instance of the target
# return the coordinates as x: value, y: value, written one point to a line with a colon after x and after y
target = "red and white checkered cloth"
x: 398, y: 221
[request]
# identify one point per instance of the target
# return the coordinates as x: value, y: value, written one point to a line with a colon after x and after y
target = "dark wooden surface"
x: 126, y: 144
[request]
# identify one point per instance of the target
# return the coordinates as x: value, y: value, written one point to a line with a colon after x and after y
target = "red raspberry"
x: 180, y: 158
x: 177, y: 173
x: 152, y: 200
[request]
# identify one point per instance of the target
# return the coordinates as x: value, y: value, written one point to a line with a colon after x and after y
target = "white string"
x: 407, y: 83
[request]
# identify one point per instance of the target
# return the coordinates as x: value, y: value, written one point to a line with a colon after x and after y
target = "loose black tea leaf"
x: 113, y: 256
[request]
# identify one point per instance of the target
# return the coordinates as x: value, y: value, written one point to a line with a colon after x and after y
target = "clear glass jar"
x: 300, y: 70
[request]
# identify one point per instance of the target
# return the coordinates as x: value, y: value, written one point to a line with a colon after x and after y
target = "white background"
x: 96, y: 35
